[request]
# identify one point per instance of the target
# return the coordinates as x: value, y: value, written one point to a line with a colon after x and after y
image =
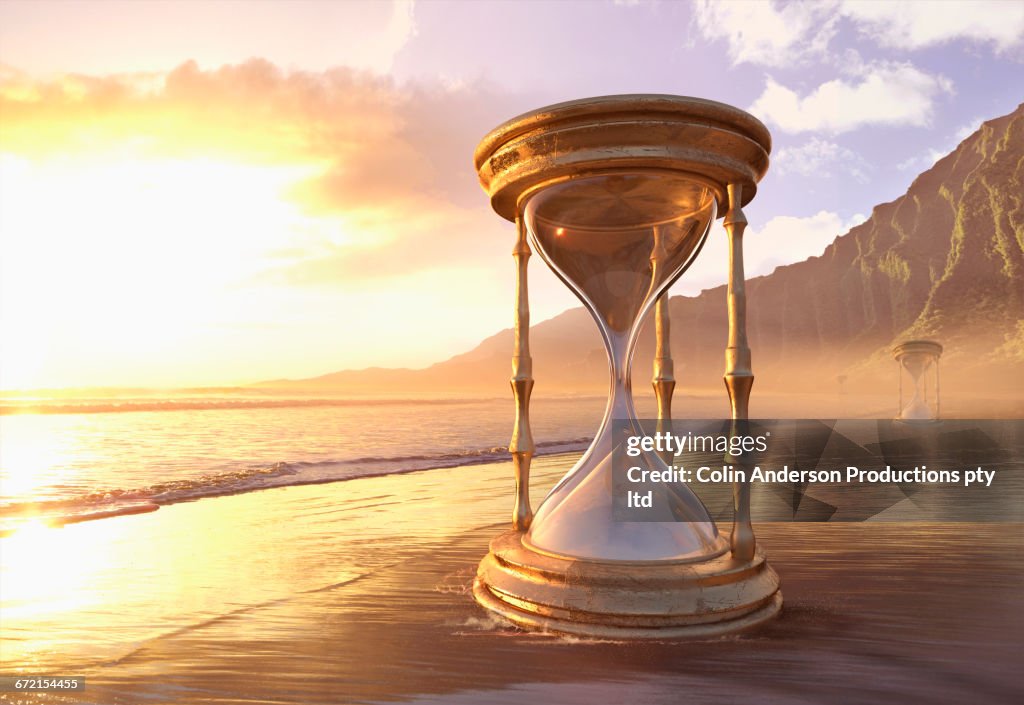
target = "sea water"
x: 64, y: 461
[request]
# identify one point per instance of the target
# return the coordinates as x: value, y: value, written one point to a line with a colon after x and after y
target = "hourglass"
x: 618, y: 194
x: 919, y: 359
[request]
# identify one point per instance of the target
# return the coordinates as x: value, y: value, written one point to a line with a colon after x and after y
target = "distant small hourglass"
x: 919, y: 361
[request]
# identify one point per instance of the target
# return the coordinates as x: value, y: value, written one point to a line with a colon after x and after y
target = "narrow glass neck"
x: 620, y: 395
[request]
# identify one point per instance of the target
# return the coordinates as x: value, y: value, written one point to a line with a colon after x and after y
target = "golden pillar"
x: 521, y: 446
x: 664, y: 381
x: 739, y: 378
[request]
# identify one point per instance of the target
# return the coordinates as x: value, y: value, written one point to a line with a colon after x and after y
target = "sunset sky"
x: 207, y: 193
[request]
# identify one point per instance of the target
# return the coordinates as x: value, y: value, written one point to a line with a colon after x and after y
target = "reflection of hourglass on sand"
x: 919, y: 359
x: 618, y: 195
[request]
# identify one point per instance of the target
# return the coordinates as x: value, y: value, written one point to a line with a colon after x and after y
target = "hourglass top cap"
x: 713, y: 142
x: 909, y: 347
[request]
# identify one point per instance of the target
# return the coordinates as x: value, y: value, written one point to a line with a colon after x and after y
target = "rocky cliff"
x: 944, y: 261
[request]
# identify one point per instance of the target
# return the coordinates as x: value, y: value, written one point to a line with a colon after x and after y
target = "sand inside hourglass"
x: 618, y: 241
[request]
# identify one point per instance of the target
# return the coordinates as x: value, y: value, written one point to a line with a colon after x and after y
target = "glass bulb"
x: 619, y: 240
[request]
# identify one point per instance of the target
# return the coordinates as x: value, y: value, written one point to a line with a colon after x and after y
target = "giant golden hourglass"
x: 617, y: 194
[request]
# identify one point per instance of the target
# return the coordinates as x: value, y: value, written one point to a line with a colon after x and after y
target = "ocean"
x: 68, y: 461
x: 65, y: 462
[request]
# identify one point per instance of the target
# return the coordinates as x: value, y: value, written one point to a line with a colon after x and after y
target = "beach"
x: 353, y: 354
x: 358, y: 592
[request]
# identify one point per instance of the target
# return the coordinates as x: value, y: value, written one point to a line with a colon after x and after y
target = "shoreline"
x: 224, y: 476
x: 359, y: 592
x: 35, y: 513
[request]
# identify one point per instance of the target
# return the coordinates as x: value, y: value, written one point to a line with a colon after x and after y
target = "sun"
x: 123, y: 252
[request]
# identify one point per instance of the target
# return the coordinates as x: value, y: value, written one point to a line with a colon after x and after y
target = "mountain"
x: 944, y: 261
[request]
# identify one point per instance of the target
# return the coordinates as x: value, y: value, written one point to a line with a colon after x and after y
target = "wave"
x: 118, y: 501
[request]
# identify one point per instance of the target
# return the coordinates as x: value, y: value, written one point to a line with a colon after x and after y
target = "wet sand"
x: 358, y: 592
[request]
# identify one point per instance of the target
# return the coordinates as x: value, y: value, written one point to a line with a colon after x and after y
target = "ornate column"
x: 899, y: 372
x: 739, y: 378
x: 664, y: 380
x: 521, y: 446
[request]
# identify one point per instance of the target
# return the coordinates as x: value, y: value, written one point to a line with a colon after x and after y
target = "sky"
x: 215, y: 193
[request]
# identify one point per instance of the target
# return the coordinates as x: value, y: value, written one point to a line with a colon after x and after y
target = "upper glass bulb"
x: 619, y: 240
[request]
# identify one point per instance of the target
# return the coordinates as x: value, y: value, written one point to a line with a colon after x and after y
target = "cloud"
x: 104, y: 36
x: 915, y: 24
x: 967, y: 129
x: 252, y: 111
x: 784, y: 34
x: 880, y: 93
x: 786, y: 239
x: 781, y: 240
x: 389, y: 165
x: 400, y: 29
x: 927, y: 160
x: 818, y: 158
x: 765, y: 33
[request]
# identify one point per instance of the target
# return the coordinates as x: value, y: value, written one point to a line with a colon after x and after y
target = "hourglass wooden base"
x: 657, y: 600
